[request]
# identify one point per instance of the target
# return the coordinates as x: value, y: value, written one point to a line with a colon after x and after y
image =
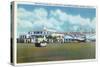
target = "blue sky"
x: 84, y: 12
x: 61, y: 19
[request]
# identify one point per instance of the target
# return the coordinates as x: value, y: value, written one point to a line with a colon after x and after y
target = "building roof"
x: 68, y: 37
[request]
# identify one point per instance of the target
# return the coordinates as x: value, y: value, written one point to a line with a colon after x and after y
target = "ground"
x: 27, y: 52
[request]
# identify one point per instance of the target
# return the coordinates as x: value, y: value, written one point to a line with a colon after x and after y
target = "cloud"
x: 73, y: 22
x: 55, y: 19
x: 40, y: 13
x: 60, y: 15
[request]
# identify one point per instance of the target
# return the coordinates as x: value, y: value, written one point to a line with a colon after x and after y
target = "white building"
x: 52, y: 36
x: 45, y: 33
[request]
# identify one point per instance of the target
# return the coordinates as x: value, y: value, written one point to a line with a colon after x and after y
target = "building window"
x: 41, y: 32
x: 37, y: 32
x: 28, y: 32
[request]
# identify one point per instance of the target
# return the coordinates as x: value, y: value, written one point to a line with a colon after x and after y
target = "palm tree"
x: 49, y: 38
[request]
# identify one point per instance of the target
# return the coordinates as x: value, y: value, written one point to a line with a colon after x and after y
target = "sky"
x: 59, y: 18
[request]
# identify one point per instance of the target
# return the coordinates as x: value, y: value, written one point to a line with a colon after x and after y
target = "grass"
x: 53, y: 52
